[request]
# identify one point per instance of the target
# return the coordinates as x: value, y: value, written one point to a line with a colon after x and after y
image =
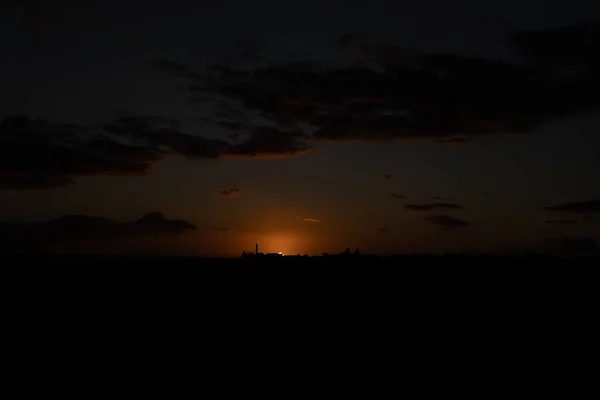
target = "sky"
x: 204, y: 127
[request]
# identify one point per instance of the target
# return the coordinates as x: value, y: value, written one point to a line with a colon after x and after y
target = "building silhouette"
x: 256, y: 253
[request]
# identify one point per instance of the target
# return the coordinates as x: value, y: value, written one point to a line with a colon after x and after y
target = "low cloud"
x: 575, y: 45
x: 579, y: 207
x: 387, y: 176
x: 79, y: 228
x: 382, y: 230
x: 447, y: 222
x: 440, y: 198
x: 398, y: 196
x: 37, y: 154
x: 230, y: 192
x: 432, y: 206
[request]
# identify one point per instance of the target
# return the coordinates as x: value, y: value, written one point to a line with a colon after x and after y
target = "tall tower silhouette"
x: 256, y: 249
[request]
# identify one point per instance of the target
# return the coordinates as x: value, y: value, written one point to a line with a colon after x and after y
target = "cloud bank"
x: 85, y: 228
x: 579, y: 207
x: 283, y: 110
x: 432, y: 206
x: 389, y: 93
x: 447, y: 222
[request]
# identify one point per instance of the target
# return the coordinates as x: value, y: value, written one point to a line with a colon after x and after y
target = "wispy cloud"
x: 578, y: 207
x: 311, y: 220
x: 432, y: 206
x: 230, y: 192
x: 440, y: 198
x: 447, y: 222
x: 398, y: 196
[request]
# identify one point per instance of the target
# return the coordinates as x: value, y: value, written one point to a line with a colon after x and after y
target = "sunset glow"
x: 393, y: 128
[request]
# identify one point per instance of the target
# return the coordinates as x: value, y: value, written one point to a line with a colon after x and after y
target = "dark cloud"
x: 230, y: 192
x: 261, y: 142
x: 447, y: 222
x: 232, y: 126
x: 577, y: 45
x: 560, y: 222
x: 164, y: 133
x: 390, y: 93
x: 157, y: 223
x: 77, y: 228
x: 267, y: 142
x: 432, y: 206
x: 384, y: 54
x: 579, y: 207
x: 33, y: 9
x: 440, y: 198
x: 387, y: 176
x: 234, y: 51
x: 350, y: 41
x: 487, y: 194
x: 382, y: 230
x: 176, y: 69
x: 36, y: 154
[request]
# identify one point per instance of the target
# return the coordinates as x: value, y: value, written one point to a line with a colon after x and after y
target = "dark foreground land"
x: 388, y: 287
x: 432, y: 261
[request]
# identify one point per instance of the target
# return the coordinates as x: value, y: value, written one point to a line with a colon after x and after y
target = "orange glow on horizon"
x: 285, y: 243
